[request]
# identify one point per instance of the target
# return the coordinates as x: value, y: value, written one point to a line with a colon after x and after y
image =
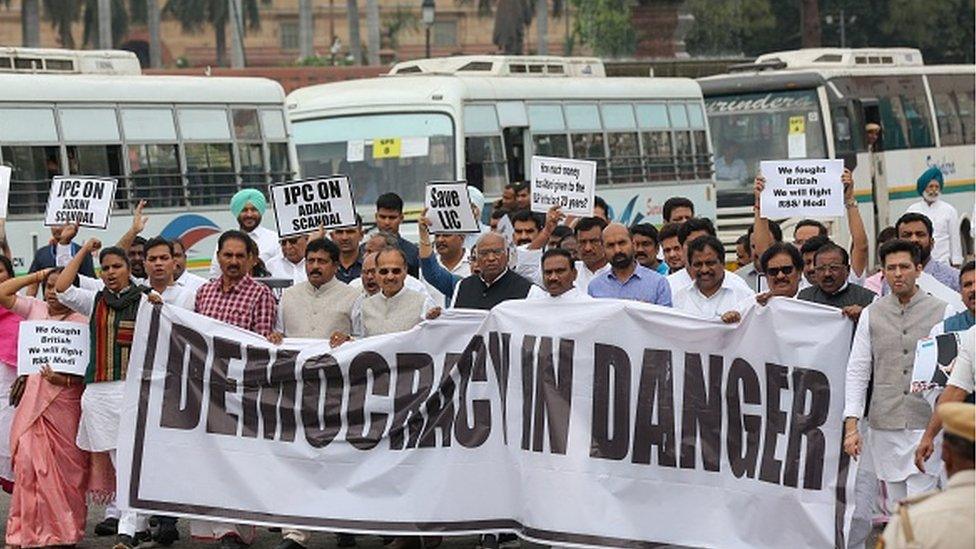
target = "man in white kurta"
x: 945, y: 219
x: 715, y: 291
x: 559, y: 273
x: 247, y: 207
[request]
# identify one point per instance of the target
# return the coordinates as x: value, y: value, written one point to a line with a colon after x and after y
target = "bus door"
x: 515, y: 149
x: 871, y: 114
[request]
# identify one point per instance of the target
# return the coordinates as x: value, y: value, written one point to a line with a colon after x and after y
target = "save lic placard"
x: 84, y: 200
x: 61, y: 345
x: 804, y: 188
x: 449, y: 208
x: 305, y: 205
x: 569, y: 184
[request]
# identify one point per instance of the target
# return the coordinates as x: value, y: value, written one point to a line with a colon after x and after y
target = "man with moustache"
x: 350, y: 263
x: 290, y: 263
x: 832, y: 288
x: 495, y: 282
x: 782, y: 265
x: 946, y: 240
x: 627, y: 279
x: 160, y: 267
x: 527, y: 226
x: 136, y: 252
x: 714, y: 293
x: 183, y: 277
x: 376, y: 243
x: 918, y: 228
x: 247, y: 207
x: 559, y: 275
x: 645, y: 238
x: 674, y: 257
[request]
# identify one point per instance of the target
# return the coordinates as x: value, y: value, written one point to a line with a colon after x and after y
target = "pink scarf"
x: 9, y: 331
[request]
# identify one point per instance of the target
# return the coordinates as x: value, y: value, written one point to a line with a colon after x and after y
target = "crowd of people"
x: 59, y: 433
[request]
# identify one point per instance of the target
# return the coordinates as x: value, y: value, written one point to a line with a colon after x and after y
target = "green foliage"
x: 400, y: 19
x: 942, y: 29
x: 605, y: 26
x: 726, y: 26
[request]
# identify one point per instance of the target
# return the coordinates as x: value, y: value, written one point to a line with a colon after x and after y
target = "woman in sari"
x: 48, y: 506
x: 9, y: 330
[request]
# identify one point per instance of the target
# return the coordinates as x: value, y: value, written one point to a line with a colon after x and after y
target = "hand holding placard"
x: 63, y: 346
x: 802, y: 188
x: 569, y: 184
x: 449, y: 208
x: 84, y: 200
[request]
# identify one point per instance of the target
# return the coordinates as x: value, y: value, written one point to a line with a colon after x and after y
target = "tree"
x: 193, y: 15
x: 512, y: 17
x: 400, y: 19
x: 30, y: 22
x: 355, y: 41
x: 722, y: 27
x: 605, y: 25
x: 542, y: 26
x: 810, y: 18
x: 942, y: 29
x: 62, y: 14
x: 373, y: 31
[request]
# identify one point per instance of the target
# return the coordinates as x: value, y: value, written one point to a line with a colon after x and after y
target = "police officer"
x: 943, y: 519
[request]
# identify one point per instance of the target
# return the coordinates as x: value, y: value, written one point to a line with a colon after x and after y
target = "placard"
x: 61, y: 345
x: 80, y: 199
x: 305, y: 205
x: 449, y: 208
x: 802, y: 188
x: 569, y: 184
x: 934, y: 359
x: 4, y: 190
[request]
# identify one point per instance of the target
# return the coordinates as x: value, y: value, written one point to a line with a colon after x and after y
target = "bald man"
x: 626, y: 278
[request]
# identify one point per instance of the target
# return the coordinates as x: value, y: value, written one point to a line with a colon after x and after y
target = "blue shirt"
x: 663, y: 269
x: 643, y: 285
x: 959, y: 322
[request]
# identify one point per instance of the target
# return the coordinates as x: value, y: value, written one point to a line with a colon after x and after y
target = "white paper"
x: 449, y: 208
x: 82, y: 199
x: 305, y: 205
x: 355, y: 150
x: 4, y: 190
x: 569, y: 184
x: 803, y: 188
x: 414, y: 146
x: 796, y: 145
x: 934, y: 359
x: 64, y: 346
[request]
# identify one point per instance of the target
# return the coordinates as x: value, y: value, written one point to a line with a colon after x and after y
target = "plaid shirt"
x: 248, y: 304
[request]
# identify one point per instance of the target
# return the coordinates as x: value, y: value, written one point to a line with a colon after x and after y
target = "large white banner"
x: 606, y: 424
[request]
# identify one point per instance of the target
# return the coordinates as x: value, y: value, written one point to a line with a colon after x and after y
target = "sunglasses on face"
x: 396, y: 271
x: 775, y: 271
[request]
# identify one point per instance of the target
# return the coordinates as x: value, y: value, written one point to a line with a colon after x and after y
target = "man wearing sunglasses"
x: 782, y: 264
x: 290, y: 263
x: 832, y: 283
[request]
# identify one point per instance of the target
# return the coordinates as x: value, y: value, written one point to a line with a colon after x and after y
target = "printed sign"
x: 61, y: 345
x: 796, y: 141
x: 569, y: 184
x: 386, y: 148
x: 803, y: 188
x: 84, y: 200
x: 4, y: 190
x: 449, y: 209
x: 305, y: 205
x: 934, y: 359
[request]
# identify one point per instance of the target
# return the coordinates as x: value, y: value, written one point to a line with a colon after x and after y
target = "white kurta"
x: 280, y: 267
x: 572, y: 295
x: 728, y: 298
x: 584, y: 275
x: 190, y: 281
x: 945, y: 229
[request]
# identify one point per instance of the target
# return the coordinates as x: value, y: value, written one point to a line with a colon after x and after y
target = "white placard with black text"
x: 305, y: 205
x: 802, y: 188
x: 80, y: 199
x: 63, y: 346
x: 569, y: 184
x: 449, y: 208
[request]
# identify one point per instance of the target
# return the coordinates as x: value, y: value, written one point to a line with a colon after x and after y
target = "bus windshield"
x: 747, y: 128
x: 380, y: 153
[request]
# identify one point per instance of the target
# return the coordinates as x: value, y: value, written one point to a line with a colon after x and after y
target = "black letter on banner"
x: 807, y: 425
x: 776, y: 381
x: 406, y: 403
x: 363, y: 363
x: 440, y: 407
x: 321, y: 428
x: 553, y: 397
x: 276, y: 393
x: 607, y: 358
x: 498, y: 348
x: 528, y: 383
x: 701, y: 413
x: 218, y: 420
x: 173, y: 415
x: 656, y: 387
x: 471, y: 366
x: 742, y: 463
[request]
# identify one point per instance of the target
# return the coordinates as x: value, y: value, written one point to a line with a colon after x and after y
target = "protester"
x: 378, y: 242
x: 9, y: 332
x: 806, y: 229
x: 290, y: 263
x: 943, y: 519
x: 592, y: 257
x: 160, y: 269
x: 389, y: 216
x: 495, y: 218
x: 626, y: 278
x: 689, y: 231
x: 781, y: 264
x: 248, y: 207
x: 671, y: 249
x: 947, y: 242
x: 832, y: 267
x: 183, y: 277
x: 809, y: 253
x: 48, y: 506
x: 112, y: 315
x: 527, y: 225
x: 523, y: 199
x: 559, y: 276
x: 882, y: 358
x: 477, y: 199
x: 743, y: 251
x: 875, y: 281
x: 918, y: 229
x: 713, y: 293
x: 495, y: 282
x: 137, y: 256
x: 350, y: 263
x: 58, y: 252
x: 678, y: 209
x: 645, y: 239
x: 963, y: 320
x: 443, y: 270
x: 752, y: 273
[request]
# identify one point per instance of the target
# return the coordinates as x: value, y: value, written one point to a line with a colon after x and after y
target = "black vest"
x: 853, y: 294
x: 472, y: 293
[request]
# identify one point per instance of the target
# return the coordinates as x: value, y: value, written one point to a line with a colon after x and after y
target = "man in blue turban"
x: 248, y: 207
x: 947, y: 242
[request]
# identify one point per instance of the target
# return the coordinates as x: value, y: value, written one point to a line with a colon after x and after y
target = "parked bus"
x: 184, y: 144
x: 815, y: 103
x: 482, y: 118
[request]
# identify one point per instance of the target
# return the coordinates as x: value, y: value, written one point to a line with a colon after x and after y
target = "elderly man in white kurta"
x: 947, y: 242
x: 884, y: 347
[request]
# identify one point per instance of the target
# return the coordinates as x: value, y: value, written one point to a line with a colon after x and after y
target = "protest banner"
x: 305, y: 205
x: 449, y: 208
x: 656, y: 426
x: 80, y: 199
x: 569, y: 184
x: 61, y: 345
x: 802, y: 188
x: 4, y: 190
x: 934, y: 359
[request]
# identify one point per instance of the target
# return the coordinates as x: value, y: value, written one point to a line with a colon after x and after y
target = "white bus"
x: 815, y: 103
x: 482, y: 118
x: 184, y: 144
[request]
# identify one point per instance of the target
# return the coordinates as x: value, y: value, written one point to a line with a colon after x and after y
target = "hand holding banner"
x: 305, y: 205
x: 63, y: 346
x: 83, y: 199
x: 569, y: 184
x: 802, y: 188
x: 449, y: 208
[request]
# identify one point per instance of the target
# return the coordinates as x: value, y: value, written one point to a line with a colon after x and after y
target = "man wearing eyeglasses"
x: 290, y: 263
x: 833, y: 287
x: 495, y: 282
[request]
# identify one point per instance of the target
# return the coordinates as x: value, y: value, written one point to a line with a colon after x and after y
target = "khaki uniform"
x: 936, y: 520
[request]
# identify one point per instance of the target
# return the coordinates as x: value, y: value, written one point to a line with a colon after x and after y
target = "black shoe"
x: 289, y: 544
x: 167, y: 533
x: 231, y: 541
x: 124, y: 541
x: 345, y: 540
x: 108, y: 527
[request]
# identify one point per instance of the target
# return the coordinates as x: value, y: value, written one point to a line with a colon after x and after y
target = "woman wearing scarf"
x: 111, y: 316
x: 9, y: 330
x: 48, y: 506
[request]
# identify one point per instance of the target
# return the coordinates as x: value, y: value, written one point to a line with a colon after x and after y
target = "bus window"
x: 485, y: 164
x: 902, y: 108
x: 953, y: 96
x: 100, y: 160
x: 623, y: 146
x: 30, y: 179
x: 657, y: 153
x: 210, y: 173
x: 249, y: 151
x: 703, y: 160
x: 583, y: 120
x: 548, y: 130
x: 273, y: 125
x: 279, y: 164
x: 685, y: 154
x: 550, y: 145
x: 155, y: 175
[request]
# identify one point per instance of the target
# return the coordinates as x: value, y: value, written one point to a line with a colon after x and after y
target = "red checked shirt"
x: 247, y: 304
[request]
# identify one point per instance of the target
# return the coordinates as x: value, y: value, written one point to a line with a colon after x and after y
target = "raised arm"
x: 762, y: 238
x: 10, y: 287
x: 859, y: 236
x: 138, y: 225
x: 70, y: 271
